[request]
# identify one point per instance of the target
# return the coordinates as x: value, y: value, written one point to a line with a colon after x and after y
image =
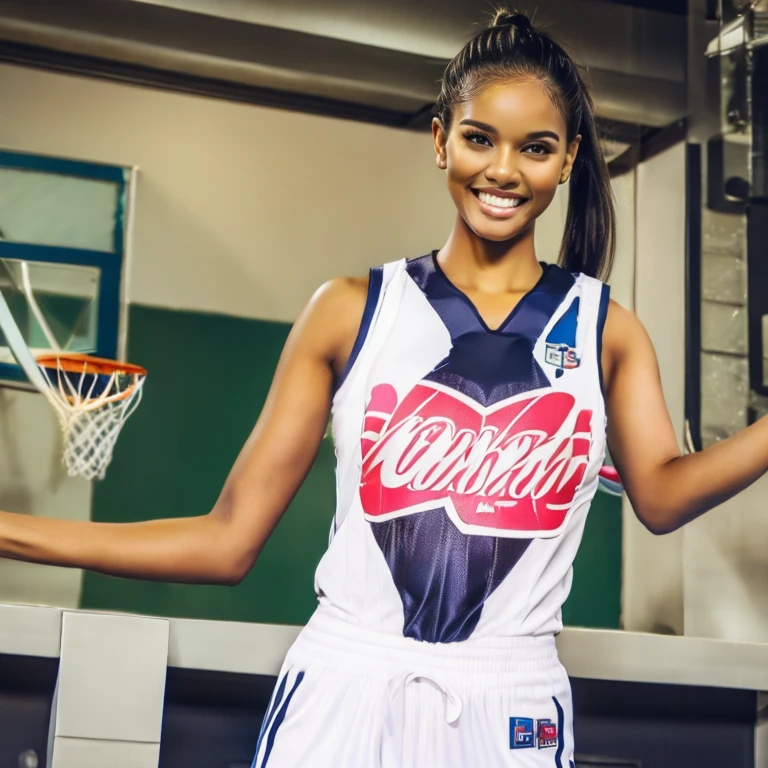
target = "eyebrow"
x: 490, y: 129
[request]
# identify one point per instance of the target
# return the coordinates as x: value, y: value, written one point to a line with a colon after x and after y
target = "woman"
x: 470, y: 390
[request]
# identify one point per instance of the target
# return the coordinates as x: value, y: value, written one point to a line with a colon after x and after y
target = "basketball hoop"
x: 93, y: 398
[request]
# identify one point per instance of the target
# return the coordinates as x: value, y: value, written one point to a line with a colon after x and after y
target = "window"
x: 62, y: 254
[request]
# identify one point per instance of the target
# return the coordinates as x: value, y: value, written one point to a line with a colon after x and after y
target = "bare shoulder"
x: 336, y: 311
x: 340, y: 301
x: 620, y: 323
x: 624, y: 337
x: 341, y: 293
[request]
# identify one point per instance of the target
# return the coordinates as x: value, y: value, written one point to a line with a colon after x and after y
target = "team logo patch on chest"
x: 510, y: 469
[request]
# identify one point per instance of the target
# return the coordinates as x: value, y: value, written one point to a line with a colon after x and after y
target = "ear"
x: 570, y: 158
x: 439, y: 137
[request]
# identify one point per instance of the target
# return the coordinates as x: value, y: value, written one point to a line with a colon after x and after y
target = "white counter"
x: 586, y: 653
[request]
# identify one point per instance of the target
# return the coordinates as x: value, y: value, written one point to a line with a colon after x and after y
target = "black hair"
x: 512, y: 48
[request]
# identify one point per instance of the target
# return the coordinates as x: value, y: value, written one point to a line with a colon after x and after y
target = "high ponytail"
x: 510, y: 48
x: 589, y: 240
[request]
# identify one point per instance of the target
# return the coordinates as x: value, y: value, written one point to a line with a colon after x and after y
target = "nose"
x: 502, y: 169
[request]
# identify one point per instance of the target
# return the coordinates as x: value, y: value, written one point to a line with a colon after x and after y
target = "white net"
x: 92, y: 397
x: 92, y: 405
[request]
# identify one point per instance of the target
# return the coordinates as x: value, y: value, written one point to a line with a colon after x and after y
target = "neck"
x: 487, y: 265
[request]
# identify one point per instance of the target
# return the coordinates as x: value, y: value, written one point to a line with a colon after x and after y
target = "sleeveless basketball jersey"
x: 467, y: 458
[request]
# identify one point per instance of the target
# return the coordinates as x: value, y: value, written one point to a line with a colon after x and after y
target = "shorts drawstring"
x: 396, y: 689
x: 451, y: 699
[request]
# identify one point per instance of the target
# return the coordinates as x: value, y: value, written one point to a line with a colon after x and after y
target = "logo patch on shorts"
x: 521, y: 733
x: 546, y: 734
x: 527, y: 733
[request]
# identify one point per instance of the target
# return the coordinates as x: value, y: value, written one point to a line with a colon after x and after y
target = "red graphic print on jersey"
x: 510, y: 468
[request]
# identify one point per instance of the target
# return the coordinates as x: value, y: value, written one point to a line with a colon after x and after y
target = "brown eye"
x: 478, y: 138
x: 538, y: 149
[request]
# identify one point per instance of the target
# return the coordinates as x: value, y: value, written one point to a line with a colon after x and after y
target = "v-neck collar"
x: 505, y: 323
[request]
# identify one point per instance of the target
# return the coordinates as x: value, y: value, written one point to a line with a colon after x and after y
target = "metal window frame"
x: 109, y: 263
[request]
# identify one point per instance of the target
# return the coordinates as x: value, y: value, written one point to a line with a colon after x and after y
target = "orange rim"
x: 78, y: 363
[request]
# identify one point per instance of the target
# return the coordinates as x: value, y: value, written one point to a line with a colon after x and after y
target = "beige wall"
x: 726, y: 569
x: 653, y: 565
x: 623, y: 275
x: 650, y: 244
x: 241, y: 209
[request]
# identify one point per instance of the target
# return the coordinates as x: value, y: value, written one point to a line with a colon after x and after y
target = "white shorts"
x: 348, y: 697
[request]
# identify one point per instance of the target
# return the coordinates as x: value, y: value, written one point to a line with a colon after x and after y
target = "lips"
x: 496, y: 192
x: 499, y: 204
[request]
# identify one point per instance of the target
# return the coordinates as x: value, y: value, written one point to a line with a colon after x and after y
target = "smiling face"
x: 505, y: 154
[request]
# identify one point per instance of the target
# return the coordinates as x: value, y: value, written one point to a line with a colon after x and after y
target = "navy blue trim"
x: 602, y: 314
x: 54, y: 254
x: 279, y: 720
x: 94, y: 171
x: 525, y: 299
x: 121, y: 208
x: 11, y: 372
x: 110, y: 270
x: 375, y: 280
x: 560, y: 740
x: 274, y: 702
x: 528, y: 317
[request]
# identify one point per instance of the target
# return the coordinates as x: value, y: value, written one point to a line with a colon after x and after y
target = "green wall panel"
x: 595, y: 599
x: 208, y: 378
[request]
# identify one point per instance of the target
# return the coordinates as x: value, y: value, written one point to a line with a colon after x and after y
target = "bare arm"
x: 666, y: 489
x: 221, y: 546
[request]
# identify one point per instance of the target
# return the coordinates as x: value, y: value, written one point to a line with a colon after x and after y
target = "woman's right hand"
x: 222, y: 546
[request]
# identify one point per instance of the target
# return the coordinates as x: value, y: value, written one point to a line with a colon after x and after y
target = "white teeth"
x: 500, y: 202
